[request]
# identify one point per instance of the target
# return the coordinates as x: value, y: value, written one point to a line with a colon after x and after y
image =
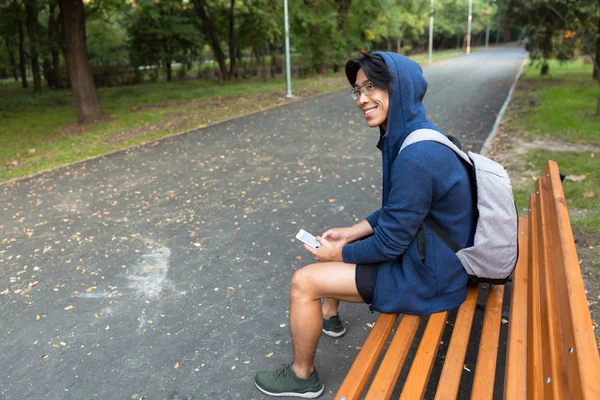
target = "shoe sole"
x: 307, y: 395
x: 334, y: 334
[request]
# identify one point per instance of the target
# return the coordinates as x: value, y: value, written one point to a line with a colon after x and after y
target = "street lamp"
x: 288, y: 73
x: 431, y: 33
x: 469, y: 27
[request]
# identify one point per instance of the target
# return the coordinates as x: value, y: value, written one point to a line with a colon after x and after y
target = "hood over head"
x: 406, y: 112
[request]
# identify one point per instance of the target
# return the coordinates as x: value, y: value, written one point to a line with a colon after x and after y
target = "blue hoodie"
x: 427, y: 178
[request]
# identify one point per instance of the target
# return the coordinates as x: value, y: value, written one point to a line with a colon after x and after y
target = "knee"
x: 301, y: 283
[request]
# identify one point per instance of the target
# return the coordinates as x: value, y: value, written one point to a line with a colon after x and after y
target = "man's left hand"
x: 326, y: 251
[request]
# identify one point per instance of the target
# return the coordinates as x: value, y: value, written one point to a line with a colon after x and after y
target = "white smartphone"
x: 307, y: 238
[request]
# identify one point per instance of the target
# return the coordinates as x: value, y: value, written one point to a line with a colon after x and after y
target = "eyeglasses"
x: 365, y: 88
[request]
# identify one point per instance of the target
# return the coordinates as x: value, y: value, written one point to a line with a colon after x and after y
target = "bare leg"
x: 330, y: 307
x: 309, y: 286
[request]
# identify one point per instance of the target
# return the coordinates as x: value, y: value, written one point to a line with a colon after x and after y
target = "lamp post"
x: 431, y: 33
x: 288, y: 72
x: 469, y: 27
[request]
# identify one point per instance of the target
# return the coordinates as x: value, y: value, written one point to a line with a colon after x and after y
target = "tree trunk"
x: 30, y: 7
x: 596, y: 73
x: 13, y: 61
x: 232, y: 40
x: 22, y: 61
x: 80, y: 75
x: 53, y: 39
x: 211, y: 34
x: 389, y: 44
x: 274, y: 60
x: 344, y: 9
x: 169, y: 70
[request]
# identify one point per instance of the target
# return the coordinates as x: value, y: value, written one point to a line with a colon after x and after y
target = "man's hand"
x: 326, y: 251
x: 338, y: 237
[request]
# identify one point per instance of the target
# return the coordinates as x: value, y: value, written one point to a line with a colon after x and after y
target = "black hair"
x: 375, y: 69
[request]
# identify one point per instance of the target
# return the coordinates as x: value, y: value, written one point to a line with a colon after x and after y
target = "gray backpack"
x: 493, y: 256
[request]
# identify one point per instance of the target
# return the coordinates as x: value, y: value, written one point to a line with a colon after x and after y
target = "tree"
x: 554, y: 27
x: 32, y: 21
x: 160, y: 32
x: 54, y: 43
x: 209, y: 24
x: 80, y: 76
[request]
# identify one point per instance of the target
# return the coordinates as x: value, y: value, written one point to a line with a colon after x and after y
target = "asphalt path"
x: 163, y: 270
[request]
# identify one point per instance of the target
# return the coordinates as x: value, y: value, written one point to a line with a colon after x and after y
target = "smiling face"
x: 373, y: 102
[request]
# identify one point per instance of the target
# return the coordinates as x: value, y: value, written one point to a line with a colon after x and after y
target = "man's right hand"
x: 338, y: 237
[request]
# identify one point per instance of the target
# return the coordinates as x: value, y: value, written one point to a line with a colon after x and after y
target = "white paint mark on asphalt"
x: 149, y: 277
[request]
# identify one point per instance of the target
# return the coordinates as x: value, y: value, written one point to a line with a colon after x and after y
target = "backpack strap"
x: 430, y: 135
x: 421, y: 135
x: 442, y: 234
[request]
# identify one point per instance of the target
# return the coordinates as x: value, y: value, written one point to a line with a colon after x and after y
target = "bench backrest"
x: 562, y: 353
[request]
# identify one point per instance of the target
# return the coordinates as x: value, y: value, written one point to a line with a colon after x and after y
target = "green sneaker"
x: 333, y: 326
x: 284, y: 382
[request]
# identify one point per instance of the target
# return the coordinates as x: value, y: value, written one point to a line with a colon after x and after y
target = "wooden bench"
x: 550, y: 351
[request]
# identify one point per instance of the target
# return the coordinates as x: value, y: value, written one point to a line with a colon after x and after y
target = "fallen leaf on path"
x: 576, y: 178
x: 37, y: 317
x: 67, y: 308
x: 176, y: 365
x: 269, y: 355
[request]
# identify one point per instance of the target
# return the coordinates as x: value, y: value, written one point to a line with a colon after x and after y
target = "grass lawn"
x: 559, y: 111
x: 39, y: 131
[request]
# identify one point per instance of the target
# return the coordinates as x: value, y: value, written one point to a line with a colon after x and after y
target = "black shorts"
x: 366, y: 275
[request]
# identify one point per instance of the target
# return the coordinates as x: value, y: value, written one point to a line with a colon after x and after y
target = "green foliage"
x: 161, y: 32
x: 554, y: 28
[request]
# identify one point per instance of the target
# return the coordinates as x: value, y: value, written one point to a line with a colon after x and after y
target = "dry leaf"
x: 176, y: 365
x: 589, y: 195
x: 67, y: 308
x: 576, y: 178
x: 96, y: 316
x: 269, y: 355
x: 332, y: 200
x: 37, y: 317
x: 107, y: 327
x: 230, y: 288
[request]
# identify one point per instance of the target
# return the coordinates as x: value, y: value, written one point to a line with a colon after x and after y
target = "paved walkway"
x: 163, y: 271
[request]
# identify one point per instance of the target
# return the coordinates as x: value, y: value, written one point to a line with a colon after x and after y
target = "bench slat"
x: 515, y: 377
x: 389, y: 370
x: 417, y: 379
x: 582, y: 364
x: 455, y: 357
x: 555, y: 380
x: 365, y: 361
x: 485, y: 370
x: 535, y: 375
